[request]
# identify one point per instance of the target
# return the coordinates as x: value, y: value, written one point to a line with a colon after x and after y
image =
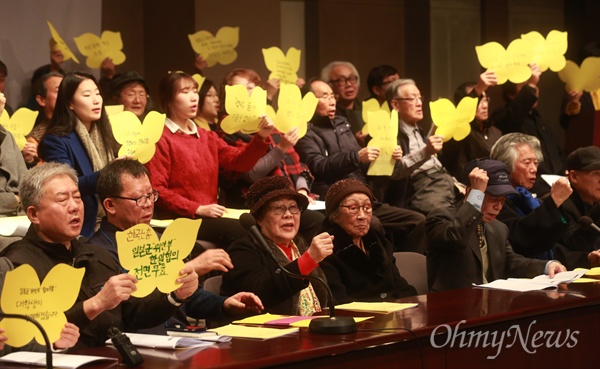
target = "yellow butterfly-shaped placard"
x: 199, y: 80
x: 216, y: 49
x: 109, y: 45
x: 46, y: 303
x: 383, y: 128
x: 511, y: 63
x: 371, y: 105
x: 586, y: 78
x: 548, y: 52
x: 294, y: 111
x: 156, y: 263
x: 138, y: 140
x: 453, y: 122
x: 20, y: 124
x: 282, y: 67
x: 62, y: 45
x: 244, y: 112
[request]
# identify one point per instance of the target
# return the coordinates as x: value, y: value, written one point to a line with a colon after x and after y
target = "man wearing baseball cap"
x: 466, y: 244
x: 580, y: 245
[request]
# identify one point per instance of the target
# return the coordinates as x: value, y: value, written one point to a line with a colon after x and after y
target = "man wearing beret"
x: 580, y: 245
x: 466, y: 244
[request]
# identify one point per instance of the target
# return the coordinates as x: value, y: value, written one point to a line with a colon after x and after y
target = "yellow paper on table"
x: 260, y: 333
x: 62, y: 45
x: 156, y: 263
x: 294, y: 110
x: 383, y: 127
x: 46, y: 302
x: 234, y: 213
x: 305, y: 323
x: 199, y: 80
x: 376, y: 307
x: 584, y: 78
x: 109, y: 45
x: 453, y: 122
x: 138, y: 140
x: 593, y: 271
x: 548, y: 52
x: 244, y: 112
x: 283, y: 67
x: 216, y: 49
x: 511, y: 63
x: 20, y: 124
x: 372, y: 105
x: 114, y: 109
x: 260, y: 319
x: 585, y: 280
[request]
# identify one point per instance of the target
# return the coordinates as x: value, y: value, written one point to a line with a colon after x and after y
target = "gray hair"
x: 505, y: 149
x: 391, y: 91
x: 31, y: 188
x: 326, y: 71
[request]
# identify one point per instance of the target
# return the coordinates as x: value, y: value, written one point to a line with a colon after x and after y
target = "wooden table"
x: 447, y: 330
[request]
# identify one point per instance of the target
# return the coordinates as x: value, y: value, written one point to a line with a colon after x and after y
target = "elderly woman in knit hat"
x: 362, y: 266
x: 276, y: 206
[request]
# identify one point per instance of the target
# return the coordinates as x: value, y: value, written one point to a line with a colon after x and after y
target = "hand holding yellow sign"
x: 548, y: 52
x: 20, y: 124
x: 511, y: 63
x: 372, y: 105
x: 219, y: 49
x: 294, y: 111
x: 453, y: 122
x: 46, y: 303
x: 97, y: 49
x: 156, y: 263
x: 62, y: 45
x: 282, y: 67
x: 383, y: 127
x: 244, y: 111
x: 138, y: 140
x: 586, y: 78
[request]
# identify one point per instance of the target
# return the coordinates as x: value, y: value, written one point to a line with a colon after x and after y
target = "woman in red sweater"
x: 185, y: 167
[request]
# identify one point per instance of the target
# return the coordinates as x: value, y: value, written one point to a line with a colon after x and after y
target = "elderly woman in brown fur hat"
x: 276, y: 206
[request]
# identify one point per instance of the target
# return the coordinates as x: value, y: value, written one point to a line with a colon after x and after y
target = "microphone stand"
x: 333, y: 324
x: 41, y: 329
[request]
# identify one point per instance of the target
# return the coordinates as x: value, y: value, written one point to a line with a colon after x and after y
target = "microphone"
x: 333, y: 325
x: 130, y: 354
x: 587, y: 222
x: 41, y: 329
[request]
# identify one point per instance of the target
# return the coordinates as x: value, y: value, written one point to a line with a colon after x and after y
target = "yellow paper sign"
x: 548, y: 52
x: 453, y: 122
x: 156, y: 263
x: 199, y: 80
x: 282, y: 67
x: 234, y: 213
x: 97, y: 49
x: 114, y: 109
x: 294, y: 111
x: 46, y: 303
x: 138, y: 140
x: 219, y: 49
x: 511, y: 63
x: 20, y: 124
x: 383, y: 127
x: 62, y: 45
x: 244, y: 111
x: 586, y: 78
x: 371, y: 105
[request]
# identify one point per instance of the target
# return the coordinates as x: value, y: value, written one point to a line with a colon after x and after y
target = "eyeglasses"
x: 342, y: 81
x: 411, y: 99
x: 133, y: 96
x: 354, y: 209
x: 282, y: 209
x: 142, y: 200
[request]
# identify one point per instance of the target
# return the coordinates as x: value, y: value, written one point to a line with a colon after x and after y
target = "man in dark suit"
x: 466, y: 244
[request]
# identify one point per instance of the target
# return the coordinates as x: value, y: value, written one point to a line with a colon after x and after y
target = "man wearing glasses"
x: 429, y: 184
x: 128, y: 199
x: 344, y: 80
